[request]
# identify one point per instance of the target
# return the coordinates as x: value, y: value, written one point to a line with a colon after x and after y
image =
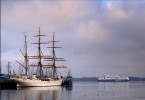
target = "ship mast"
x: 39, y: 57
x: 26, y: 57
x: 53, y: 56
x: 9, y: 67
x: 54, y: 59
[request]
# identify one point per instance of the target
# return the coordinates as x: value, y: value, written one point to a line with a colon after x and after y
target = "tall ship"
x: 117, y: 78
x: 39, y: 79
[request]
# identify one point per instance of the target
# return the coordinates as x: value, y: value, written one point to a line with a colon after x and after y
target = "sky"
x: 99, y: 37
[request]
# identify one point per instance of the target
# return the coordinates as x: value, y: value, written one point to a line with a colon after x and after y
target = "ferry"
x: 117, y: 78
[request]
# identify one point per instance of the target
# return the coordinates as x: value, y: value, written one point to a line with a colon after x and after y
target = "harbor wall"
x: 8, y: 84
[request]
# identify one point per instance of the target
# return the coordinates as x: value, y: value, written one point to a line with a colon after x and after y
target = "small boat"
x: 117, y: 78
x: 38, y: 79
x: 4, y: 77
x: 68, y: 80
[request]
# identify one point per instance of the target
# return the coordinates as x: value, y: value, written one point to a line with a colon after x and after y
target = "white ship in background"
x: 38, y: 79
x: 117, y: 78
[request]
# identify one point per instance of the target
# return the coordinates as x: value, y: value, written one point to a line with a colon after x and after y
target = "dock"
x: 8, y: 84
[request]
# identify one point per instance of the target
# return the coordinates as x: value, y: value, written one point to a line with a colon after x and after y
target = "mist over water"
x: 79, y: 91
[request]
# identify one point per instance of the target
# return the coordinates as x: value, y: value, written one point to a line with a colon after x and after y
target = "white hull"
x: 36, y: 83
x: 113, y: 79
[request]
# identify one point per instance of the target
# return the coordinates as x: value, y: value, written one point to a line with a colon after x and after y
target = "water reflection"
x: 37, y: 93
x: 67, y: 93
x: 116, y: 86
x: 40, y: 93
x: 79, y: 91
x: 68, y: 88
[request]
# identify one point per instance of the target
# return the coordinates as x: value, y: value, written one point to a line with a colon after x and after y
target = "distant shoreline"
x: 96, y: 79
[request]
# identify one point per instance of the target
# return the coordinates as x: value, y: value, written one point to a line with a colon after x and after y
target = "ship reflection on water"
x: 39, y: 93
x: 80, y: 91
x: 44, y: 93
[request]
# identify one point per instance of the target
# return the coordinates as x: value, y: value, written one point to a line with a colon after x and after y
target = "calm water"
x: 79, y: 91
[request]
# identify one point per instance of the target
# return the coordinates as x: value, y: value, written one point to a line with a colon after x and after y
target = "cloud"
x: 50, y: 14
x: 91, y: 31
x: 98, y: 37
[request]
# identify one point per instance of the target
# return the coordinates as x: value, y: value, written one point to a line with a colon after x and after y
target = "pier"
x: 8, y: 84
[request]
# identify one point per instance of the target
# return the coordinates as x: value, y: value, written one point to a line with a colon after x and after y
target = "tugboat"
x: 68, y: 80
